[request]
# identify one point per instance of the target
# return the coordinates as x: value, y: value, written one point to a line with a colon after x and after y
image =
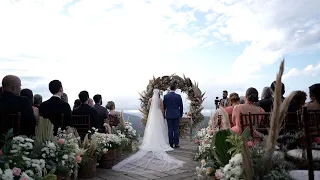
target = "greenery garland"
x: 192, y: 90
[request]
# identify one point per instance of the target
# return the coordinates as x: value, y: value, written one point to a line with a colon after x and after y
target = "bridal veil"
x: 152, y: 155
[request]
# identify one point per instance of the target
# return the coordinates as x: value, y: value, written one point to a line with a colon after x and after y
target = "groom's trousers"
x: 173, y: 130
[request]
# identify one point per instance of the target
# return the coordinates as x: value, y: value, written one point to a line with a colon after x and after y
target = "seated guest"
x: 12, y: 103
x: 37, y: 100
x: 76, y: 103
x: 85, y: 109
x: 102, y: 111
x: 90, y: 102
x: 314, y: 92
x: 235, y: 100
x: 252, y: 96
x: 297, y: 102
x: 54, y: 107
x: 266, y: 102
x: 64, y: 97
x: 28, y: 94
x: 115, y: 118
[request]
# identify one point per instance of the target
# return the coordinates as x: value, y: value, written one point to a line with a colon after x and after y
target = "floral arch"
x: 185, y: 84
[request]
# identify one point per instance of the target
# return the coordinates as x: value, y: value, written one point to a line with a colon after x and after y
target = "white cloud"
x: 272, y: 28
x: 310, y: 70
x: 114, y: 47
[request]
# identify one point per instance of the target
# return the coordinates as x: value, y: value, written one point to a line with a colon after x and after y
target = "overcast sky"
x: 113, y: 47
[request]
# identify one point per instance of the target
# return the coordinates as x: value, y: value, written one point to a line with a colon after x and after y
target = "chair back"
x: 255, y: 122
x: 57, y: 121
x: 113, y: 120
x: 8, y: 121
x: 311, y: 120
x: 292, y: 122
x: 82, y: 124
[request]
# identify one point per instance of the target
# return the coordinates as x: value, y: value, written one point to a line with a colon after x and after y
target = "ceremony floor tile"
x: 185, y: 153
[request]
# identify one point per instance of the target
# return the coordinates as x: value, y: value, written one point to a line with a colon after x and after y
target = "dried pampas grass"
x: 276, y: 120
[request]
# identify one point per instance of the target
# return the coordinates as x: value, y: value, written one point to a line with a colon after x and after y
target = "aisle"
x: 184, y: 153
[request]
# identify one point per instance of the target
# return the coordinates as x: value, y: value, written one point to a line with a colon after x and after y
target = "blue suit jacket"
x: 173, y: 106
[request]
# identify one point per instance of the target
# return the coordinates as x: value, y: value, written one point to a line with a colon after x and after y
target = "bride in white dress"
x: 152, y: 153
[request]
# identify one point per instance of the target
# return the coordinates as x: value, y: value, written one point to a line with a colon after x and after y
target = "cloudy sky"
x: 113, y: 47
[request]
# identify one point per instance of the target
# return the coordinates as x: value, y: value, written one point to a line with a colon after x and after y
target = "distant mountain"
x: 139, y: 127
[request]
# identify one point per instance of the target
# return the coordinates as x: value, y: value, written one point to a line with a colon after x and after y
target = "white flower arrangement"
x: 15, y: 173
x: 203, y: 138
x: 131, y: 133
x: 113, y: 141
x: 233, y: 170
x: 124, y: 139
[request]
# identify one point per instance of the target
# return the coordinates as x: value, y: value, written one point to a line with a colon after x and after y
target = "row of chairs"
x: 306, y: 121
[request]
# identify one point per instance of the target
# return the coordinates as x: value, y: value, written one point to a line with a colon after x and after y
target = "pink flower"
x: 196, y: 141
x: 24, y: 178
x: 198, y: 129
x: 1, y: 152
x: 78, y: 159
x: 211, y: 132
x: 317, y: 140
x: 16, y: 171
x: 61, y: 141
x: 218, y: 175
x: 250, y: 143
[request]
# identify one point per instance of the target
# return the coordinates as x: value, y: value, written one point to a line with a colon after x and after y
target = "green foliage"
x: 236, y: 142
x: 6, y: 140
x: 49, y: 176
x: 221, y: 147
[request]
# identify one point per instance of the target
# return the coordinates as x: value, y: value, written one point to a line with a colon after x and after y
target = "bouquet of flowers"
x: 113, y: 141
x: 124, y: 140
x: 63, y: 153
x: 17, y: 156
x: 128, y: 131
x: 100, y: 139
x: 203, y: 138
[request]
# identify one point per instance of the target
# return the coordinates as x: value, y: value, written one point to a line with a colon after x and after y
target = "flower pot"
x: 118, y: 153
x: 88, y: 169
x: 128, y: 147
x: 63, y: 176
x: 108, y: 159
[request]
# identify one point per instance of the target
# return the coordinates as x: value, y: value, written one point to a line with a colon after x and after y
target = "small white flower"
x: 7, y: 175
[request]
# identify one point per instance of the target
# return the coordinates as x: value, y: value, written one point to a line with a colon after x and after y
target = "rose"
x: 61, y: 141
x: 1, y: 152
x: 196, y: 141
x: 250, y: 143
x: 16, y: 171
x: 218, y: 175
x: 78, y: 159
x: 211, y: 132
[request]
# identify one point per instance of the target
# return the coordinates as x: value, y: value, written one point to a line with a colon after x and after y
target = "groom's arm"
x: 181, y: 106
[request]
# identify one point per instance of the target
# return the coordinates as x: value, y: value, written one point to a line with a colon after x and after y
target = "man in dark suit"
x: 85, y: 109
x: 102, y: 111
x: 12, y: 103
x: 173, y: 108
x: 54, y: 107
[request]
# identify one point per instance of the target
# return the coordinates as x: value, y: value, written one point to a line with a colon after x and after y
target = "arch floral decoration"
x: 192, y: 90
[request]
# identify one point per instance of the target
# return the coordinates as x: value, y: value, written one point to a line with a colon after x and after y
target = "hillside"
x: 136, y: 122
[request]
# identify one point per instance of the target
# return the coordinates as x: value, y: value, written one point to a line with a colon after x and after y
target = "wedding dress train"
x: 152, y: 153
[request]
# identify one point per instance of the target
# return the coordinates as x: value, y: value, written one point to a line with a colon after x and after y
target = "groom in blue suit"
x: 173, y: 108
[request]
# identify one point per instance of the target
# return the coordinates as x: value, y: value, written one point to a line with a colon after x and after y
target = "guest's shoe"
x: 176, y: 146
x: 171, y: 145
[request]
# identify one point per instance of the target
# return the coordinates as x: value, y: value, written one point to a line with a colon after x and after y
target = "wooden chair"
x: 57, y: 121
x: 8, y: 121
x: 311, y: 120
x: 259, y: 122
x: 292, y: 122
x: 82, y: 124
x: 220, y: 120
